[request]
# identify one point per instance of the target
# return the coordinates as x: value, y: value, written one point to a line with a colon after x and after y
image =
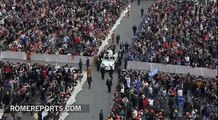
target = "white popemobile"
x: 109, y: 60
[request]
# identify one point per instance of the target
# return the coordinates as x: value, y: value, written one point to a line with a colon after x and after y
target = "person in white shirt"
x: 135, y: 113
x: 35, y: 116
x: 128, y: 81
x: 180, y: 93
x: 164, y: 92
x: 1, y: 113
x: 44, y: 113
x: 193, y: 114
x: 151, y: 102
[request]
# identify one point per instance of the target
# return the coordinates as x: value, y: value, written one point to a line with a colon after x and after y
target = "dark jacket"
x: 80, y: 64
x: 134, y: 28
x: 87, y: 63
x: 109, y: 82
x: 118, y: 37
x: 89, y: 79
x: 101, y: 117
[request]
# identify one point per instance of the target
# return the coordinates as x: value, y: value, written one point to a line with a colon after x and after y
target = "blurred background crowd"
x: 178, y: 32
x: 158, y: 96
x: 57, y: 26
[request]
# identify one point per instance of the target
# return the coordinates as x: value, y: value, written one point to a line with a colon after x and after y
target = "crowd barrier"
x: 60, y: 58
x: 198, y: 71
x: 13, y: 55
x: 72, y: 98
x: 105, y: 42
x: 45, y: 57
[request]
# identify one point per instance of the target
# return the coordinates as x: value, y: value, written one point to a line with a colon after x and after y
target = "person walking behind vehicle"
x: 98, y: 62
x: 138, y: 3
x: 111, y: 72
x: 89, y: 71
x: 142, y: 12
x: 80, y: 64
x: 118, y: 38
x: 102, y: 72
x: 89, y: 79
x: 101, y: 115
x: 109, y: 84
x: 87, y: 63
x: 134, y: 28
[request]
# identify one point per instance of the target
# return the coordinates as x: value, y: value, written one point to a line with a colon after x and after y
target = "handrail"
x: 179, y: 69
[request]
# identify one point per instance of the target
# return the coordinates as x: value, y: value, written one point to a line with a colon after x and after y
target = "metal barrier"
x: 45, y: 57
x: 13, y: 55
x: 198, y: 71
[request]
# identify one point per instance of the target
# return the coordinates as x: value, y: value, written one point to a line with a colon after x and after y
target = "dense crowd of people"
x: 23, y: 84
x: 173, y: 32
x: 57, y: 26
x: 156, y: 96
x: 178, y: 32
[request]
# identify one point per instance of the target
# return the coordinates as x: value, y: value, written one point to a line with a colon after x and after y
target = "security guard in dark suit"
x: 109, y: 84
x: 102, y: 72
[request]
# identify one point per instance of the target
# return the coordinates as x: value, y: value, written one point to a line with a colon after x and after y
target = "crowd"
x: 23, y: 84
x: 57, y: 26
x: 178, y: 32
x: 141, y: 95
